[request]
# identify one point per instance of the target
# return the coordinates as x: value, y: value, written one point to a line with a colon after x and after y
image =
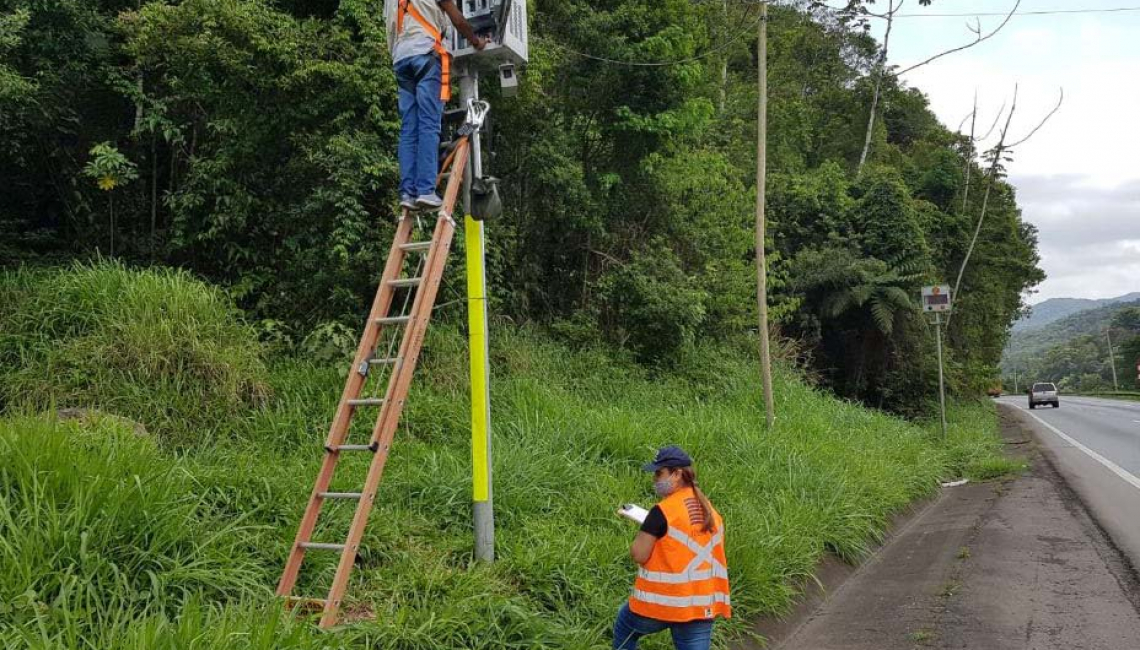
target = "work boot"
x: 429, y: 202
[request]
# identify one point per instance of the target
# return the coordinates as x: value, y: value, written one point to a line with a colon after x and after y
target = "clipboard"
x: 633, y: 512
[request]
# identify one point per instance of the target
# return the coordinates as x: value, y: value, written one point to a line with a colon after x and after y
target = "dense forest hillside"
x: 253, y: 143
x: 1074, y: 351
x: 1054, y: 309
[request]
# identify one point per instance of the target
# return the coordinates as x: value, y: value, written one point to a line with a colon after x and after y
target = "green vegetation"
x: 109, y: 539
x: 1054, y: 309
x: 157, y: 347
x: 1115, y: 394
x: 1073, y: 351
x: 263, y: 137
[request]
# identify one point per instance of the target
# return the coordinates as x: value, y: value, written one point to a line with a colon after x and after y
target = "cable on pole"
x: 1038, y: 12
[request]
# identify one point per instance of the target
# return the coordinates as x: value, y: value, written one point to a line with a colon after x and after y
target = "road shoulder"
x: 1016, y: 564
x: 1112, y: 501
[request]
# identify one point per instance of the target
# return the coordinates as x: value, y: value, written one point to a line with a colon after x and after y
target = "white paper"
x: 634, y: 512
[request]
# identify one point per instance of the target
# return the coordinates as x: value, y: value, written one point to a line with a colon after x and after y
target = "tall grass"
x: 155, y: 346
x: 112, y: 541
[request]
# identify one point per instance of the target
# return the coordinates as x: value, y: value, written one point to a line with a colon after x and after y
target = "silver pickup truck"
x: 1043, y: 393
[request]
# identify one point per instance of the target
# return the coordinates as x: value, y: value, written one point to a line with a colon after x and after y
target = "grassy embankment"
x: 1115, y: 394
x: 174, y: 539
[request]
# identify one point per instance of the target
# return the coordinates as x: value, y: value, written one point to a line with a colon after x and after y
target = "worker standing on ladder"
x: 682, y: 580
x: 416, y: 40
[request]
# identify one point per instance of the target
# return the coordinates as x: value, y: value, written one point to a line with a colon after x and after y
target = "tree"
x: 110, y: 169
x: 1127, y: 319
x: 265, y: 137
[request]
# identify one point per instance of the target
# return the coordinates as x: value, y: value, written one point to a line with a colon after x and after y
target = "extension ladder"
x: 399, y: 363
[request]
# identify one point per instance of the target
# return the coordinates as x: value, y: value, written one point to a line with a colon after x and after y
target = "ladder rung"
x: 341, y: 495
x: 321, y: 546
x: 367, y: 401
x: 373, y: 448
x: 406, y: 282
x: 393, y: 320
x: 301, y: 600
x: 308, y: 604
x: 386, y: 361
x: 416, y: 247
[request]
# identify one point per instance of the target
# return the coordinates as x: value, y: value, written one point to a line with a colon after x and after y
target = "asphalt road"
x: 1109, y: 427
x: 1095, y: 444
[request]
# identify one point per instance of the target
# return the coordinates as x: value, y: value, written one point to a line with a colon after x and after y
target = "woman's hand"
x: 642, y: 547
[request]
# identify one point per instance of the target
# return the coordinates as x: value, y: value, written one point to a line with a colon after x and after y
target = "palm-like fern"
x: 842, y: 282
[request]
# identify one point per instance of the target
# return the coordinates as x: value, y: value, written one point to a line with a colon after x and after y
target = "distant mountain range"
x: 1028, y: 345
x: 1055, y: 309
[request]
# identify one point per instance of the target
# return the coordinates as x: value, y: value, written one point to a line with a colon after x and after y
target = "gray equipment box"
x: 504, y: 22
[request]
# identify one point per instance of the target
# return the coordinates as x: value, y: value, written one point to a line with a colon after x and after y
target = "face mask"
x: 664, y: 487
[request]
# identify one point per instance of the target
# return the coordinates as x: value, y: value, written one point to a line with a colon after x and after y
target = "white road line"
x: 1116, y: 469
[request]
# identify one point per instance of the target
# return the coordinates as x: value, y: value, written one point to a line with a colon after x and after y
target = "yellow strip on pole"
x: 477, y: 323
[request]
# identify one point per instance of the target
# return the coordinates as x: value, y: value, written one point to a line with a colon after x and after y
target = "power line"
x: 739, y: 36
x: 1039, y: 12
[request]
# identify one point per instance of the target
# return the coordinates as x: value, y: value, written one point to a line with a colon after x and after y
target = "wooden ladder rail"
x: 399, y: 382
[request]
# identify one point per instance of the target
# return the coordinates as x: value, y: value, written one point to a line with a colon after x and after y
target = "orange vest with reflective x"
x: 686, y: 577
x: 407, y: 8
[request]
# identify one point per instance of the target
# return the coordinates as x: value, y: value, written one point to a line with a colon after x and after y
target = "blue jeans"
x: 630, y: 627
x: 421, y: 113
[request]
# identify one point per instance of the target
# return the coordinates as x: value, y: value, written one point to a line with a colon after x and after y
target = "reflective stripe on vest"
x: 691, y: 573
x: 684, y: 579
x: 682, y: 601
x: 406, y: 7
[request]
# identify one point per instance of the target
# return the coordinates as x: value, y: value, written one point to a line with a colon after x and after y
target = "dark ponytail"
x: 689, y: 478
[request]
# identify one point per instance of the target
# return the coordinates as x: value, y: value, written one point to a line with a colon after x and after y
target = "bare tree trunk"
x: 880, y: 72
x: 990, y: 177
x: 153, y: 194
x: 881, y: 68
x: 111, y: 208
x: 970, y: 154
x: 723, y: 71
x: 1000, y: 149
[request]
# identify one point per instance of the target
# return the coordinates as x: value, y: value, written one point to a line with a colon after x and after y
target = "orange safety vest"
x: 406, y: 7
x: 686, y: 577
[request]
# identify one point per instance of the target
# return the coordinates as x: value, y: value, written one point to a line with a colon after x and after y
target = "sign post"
x: 936, y: 300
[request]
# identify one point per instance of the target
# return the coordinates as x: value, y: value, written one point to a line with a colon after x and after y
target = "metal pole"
x: 484, y: 512
x: 1112, y: 358
x: 941, y: 380
x: 761, y: 179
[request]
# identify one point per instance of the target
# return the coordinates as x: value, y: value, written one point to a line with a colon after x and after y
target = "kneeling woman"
x: 682, y: 583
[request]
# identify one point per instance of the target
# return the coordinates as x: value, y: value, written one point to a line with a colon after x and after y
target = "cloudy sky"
x: 1078, y: 179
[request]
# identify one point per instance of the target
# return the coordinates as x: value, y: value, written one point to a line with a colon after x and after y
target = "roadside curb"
x: 828, y: 580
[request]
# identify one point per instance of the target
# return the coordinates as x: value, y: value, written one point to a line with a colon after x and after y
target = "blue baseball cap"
x: 671, y: 456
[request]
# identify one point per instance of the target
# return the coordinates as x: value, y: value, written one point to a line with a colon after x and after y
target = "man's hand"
x: 453, y: 12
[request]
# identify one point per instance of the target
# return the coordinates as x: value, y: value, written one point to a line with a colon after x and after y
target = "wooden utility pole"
x: 1112, y: 359
x: 761, y: 180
